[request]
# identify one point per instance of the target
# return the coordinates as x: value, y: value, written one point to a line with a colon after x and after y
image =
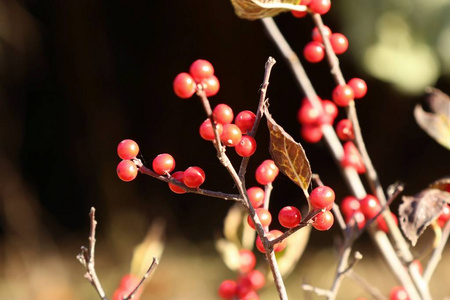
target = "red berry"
x: 359, y: 87
x: 127, y: 170
x: 247, y: 260
x: 370, y: 206
x: 227, y: 289
x: 305, y: 2
x: 264, y: 217
x: 193, y: 177
x: 416, y: 264
x: 314, y: 52
x: 323, y: 221
x: 352, y: 158
x: 184, y: 85
x: 120, y: 294
x: 320, y: 6
x: 207, y: 132
x: 271, y: 235
x: 246, y: 147
x: 357, y: 217
x: 331, y: 112
x: 316, y: 36
x: 129, y: 282
x: 211, y: 85
x: 289, y: 216
x: 256, y: 196
x: 307, y: 114
x: 175, y: 188
x: 223, y: 114
x: 339, y: 43
x: 342, y: 95
x: 250, y: 295
x: 444, y: 216
x: 266, y: 172
x: 201, y: 69
x: 257, y: 279
x: 398, y: 293
x: 344, y: 130
x: 127, y: 149
x: 382, y: 225
x: 299, y: 14
x: 311, y: 133
x: 322, y: 197
x: 231, y: 135
x: 163, y: 164
x: 349, y: 205
x: 245, y: 120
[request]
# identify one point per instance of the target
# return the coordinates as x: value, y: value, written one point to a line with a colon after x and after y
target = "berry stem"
x: 152, y: 267
x: 437, y: 254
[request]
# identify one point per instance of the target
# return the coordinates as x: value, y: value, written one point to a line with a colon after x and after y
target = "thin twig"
x: 366, y: 285
x: 305, y: 222
x: 316, y: 290
x: 437, y: 254
x: 153, y: 265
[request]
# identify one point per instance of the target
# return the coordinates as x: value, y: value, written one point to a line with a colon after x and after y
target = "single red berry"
x: 320, y: 6
x: 356, y: 217
x: 311, y: 133
x: 417, y: 265
x: 120, y: 294
x: 316, y: 36
x: 344, y: 130
x: 127, y: 149
x: 398, y: 293
x: 193, y: 177
x: 201, y: 69
x: 321, y: 197
x: 246, y: 147
x: 289, y: 216
x: 339, y: 43
x: 349, y: 205
x: 359, y: 87
x: 244, y: 287
x: 256, y: 196
x: 370, y: 206
x: 299, y: 14
x: 314, y: 52
x: 250, y: 295
x: 245, y: 120
x: 127, y: 170
x: 331, y: 112
x: 223, y: 114
x: 264, y: 217
x: 207, y: 131
x: 323, y: 221
x: 271, y: 235
x: 163, y: 164
x: 382, y: 225
x: 342, y: 95
x: 129, y: 282
x: 444, y: 216
x: 352, y: 158
x: 231, y: 135
x: 227, y: 289
x: 247, y: 260
x: 266, y: 172
x: 184, y: 86
x: 179, y: 175
x: 257, y: 279
x: 307, y: 114
x: 211, y: 85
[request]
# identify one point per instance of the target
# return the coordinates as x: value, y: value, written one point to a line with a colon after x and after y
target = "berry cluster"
x: 127, y: 285
x: 127, y: 151
x: 314, y: 6
x: 322, y: 197
x: 249, y: 280
x: 314, y: 51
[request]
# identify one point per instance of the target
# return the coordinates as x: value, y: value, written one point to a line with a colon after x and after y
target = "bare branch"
x: 153, y: 265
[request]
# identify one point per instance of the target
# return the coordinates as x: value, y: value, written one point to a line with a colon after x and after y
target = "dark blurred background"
x: 77, y: 77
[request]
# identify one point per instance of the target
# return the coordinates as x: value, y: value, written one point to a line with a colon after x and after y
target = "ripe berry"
x: 211, y: 85
x: 299, y: 14
x: 266, y: 172
x: 416, y: 264
x: 231, y: 135
x: 311, y: 133
x: 307, y: 114
x: 320, y: 6
x: 127, y: 170
x: 193, y: 177
x: 344, y: 130
x: 359, y: 87
x: 256, y: 196
x: 127, y: 149
x: 129, y: 282
x: 398, y: 293
x: 323, y: 221
x: 120, y: 294
x: 289, y: 216
x: 342, y: 95
x: 331, y: 112
x: 339, y: 43
x: 314, y: 52
x: 316, y: 36
x: 227, y: 289
x: 184, y: 85
x: 207, y: 131
x: 305, y: 2
x: 246, y: 147
x: 382, y: 225
x: 264, y: 217
x: 370, y: 206
x: 247, y: 260
x: 322, y: 197
x: 352, y: 158
x: 257, y: 279
x: 163, y: 164
x: 179, y: 175
x: 357, y: 217
x: 201, y: 69
x: 223, y: 114
x: 271, y: 235
x: 349, y: 205
x: 444, y: 216
x: 245, y: 120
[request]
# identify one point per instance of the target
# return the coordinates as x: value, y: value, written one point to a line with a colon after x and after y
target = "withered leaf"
x: 417, y: 212
x: 442, y: 184
x: 296, y: 245
x: 287, y: 154
x: 258, y: 9
x: 437, y: 122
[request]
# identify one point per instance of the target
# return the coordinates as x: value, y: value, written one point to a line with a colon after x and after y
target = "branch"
x: 153, y: 265
x: 366, y: 286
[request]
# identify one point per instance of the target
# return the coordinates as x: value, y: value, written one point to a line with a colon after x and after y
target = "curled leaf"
x: 437, y: 122
x: 288, y: 155
x: 442, y: 184
x: 417, y: 212
x: 258, y: 9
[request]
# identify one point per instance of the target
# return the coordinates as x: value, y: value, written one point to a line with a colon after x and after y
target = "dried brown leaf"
x: 258, y: 9
x: 442, y: 184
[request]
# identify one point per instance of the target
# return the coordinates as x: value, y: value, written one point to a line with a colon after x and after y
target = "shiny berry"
x: 231, y: 135
x: 382, y: 225
x: 352, y: 158
x: 289, y: 216
x: 179, y: 177
x: 266, y: 172
x: 227, y: 289
x: 129, y: 282
x: 307, y: 114
x: 256, y: 196
x: 201, y: 69
x: 370, y: 206
x: 417, y: 265
x: 184, y: 86
x: 127, y: 170
x: 444, y: 216
x: 323, y: 221
x: 320, y: 6
x: 246, y: 147
x: 207, y: 131
x: 193, y: 177
x: 245, y: 120
x: 316, y: 36
x: 264, y: 216
x: 223, y: 114
x: 314, y: 52
x: 271, y: 235
x: 311, y: 133
x: 120, y: 294
x: 344, y: 130
x: 398, y: 293
x: 257, y: 279
x: 331, y: 112
x: 211, y: 86
x: 339, y: 43
x: 342, y: 95
x: 359, y: 87
x: 247, y: 260
x: 349, y: 205
x: 356, y: 217
x: 163, y: 164
x: 321, y: 197
x: 127, y: 149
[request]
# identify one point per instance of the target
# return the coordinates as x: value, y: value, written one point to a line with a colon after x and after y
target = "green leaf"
x: 288, y: 155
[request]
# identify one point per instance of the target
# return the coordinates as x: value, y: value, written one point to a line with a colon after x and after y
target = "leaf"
x: 437, y: 122
x: 417, y: 212
x: 442, y: 184
x: 258, y: 9
x: 288, y: 155
x: 233, y: 223
x: 229, y: 252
